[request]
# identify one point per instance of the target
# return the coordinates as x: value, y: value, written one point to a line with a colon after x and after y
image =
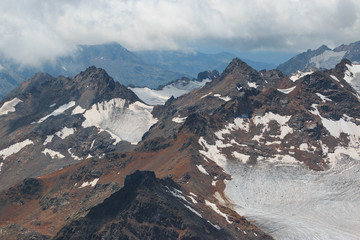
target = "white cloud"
x: 34, y: 30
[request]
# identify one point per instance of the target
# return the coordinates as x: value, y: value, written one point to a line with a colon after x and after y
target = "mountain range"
x: 137, y: 69
x: 321, y: 58
x: 248, y: 155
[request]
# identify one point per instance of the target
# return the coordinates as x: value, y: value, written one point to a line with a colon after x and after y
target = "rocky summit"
x: 250, y: 155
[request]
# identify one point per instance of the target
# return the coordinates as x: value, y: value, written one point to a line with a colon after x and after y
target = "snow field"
x: 123, y: 123
x: 9, y: 106
x: 58, y: 111
x: 15, y: 148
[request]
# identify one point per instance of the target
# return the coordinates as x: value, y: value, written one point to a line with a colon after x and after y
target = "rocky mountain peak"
x: 322, y: 49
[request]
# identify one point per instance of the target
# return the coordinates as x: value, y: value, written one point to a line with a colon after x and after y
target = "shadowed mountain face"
x: 145, y: 208
x: 277, y: 151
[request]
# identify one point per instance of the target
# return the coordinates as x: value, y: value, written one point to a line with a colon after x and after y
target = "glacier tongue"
x: 292, y: 202
x: 127, y: 122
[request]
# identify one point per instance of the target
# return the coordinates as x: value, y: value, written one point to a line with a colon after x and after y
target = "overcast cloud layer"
x: 33, y: 31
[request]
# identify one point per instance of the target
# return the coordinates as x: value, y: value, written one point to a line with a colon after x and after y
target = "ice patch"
x: 335, y: 128
x: 73, y: 155
x: 328, y: 59
x: 282, y: 121
x: 303, y: 147
x: 48, y: 139
x: 193, y: 199
x: 352, y: 76
x: 92, y: 183
x: 335, y: 78
x: 212, y: 152
x: 216, y: 209
x: 179, y: 119
x: 287, y: 90
x: 296, y: 76
x: 122, y: 122
x: 323, y: 98
x: 58, y: 111
x: 226, y: 99
x: 238, y: 124
x: 65, y: 132
x: 9, y: 106
x: 202, y: 169
x: 15, y: 148
x: 252, y: 84
x: 206, y: 95
x: 193, y: 210
x: 53, y: 154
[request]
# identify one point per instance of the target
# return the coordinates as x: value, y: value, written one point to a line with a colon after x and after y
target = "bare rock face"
x: 145, y: 208
x: 47, y: 123
x: 276, y: 150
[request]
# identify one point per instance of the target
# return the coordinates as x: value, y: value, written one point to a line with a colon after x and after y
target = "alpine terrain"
x: 321, y: 58
x: 248, y: 155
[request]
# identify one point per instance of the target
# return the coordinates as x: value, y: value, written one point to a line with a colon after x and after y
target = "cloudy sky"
x: 34, y: 31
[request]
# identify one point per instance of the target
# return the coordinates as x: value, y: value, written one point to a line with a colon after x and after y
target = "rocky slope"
x: 321, y: 58
x: 48, y: 123
x: 259, y: 145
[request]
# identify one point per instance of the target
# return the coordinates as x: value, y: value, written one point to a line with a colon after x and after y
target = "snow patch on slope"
x: 92, y: 183
x: 352, y: 76
x: 287, y: 90
x: 127, y: 123
x: 281, y: 120
x: 53, y: 154
x: 58, y: 111
x: 15, y: 148
x: 9, y: 106
x: 296, y: 76
x: 328, y: 59
x: 202, y: 169
x: 343, y: 125
x: 159, y: 97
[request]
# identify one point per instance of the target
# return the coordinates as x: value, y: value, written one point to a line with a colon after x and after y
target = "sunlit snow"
x: 323, y: 98
x: 352, y: 76
x: 159, y: 97
x: 178, y: 119
x: 53, y: 154
x: 123, y: 122
x: 287, y: 90
x: 343, y: 125
x: 58, y: 111
x: 92, y: 183
x: 9, y: 106
x: 202, y: 169
x: 328, y: 59
x: 281, y: 120
x: 216, y: 209
x: 15, y: 148
x: 296, y: 76
x: 252, y: 84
